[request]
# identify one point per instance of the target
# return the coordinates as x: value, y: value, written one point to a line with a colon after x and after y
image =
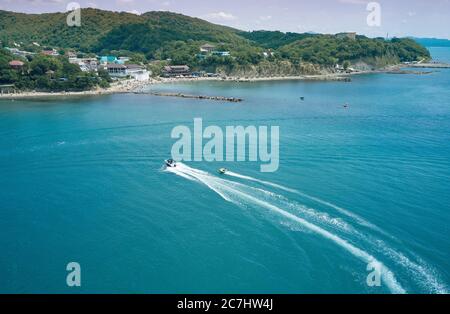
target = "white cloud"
x: 220, y: 16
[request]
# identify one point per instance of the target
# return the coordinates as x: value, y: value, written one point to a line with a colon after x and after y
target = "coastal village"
x: 120, y: 66
x: 121, y: 69
x: 126, y: 73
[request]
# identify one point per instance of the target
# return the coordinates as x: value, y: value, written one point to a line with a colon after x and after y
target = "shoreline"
x: 317, y: 77
x: 121, y: 87
x: 133, y: 86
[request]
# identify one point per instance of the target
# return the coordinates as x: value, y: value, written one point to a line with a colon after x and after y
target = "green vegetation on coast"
x: 46, y: 73
x: 161, y: 38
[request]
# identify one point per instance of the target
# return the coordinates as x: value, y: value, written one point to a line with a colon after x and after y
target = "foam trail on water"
x: 387, y: 275
x: 226, y: 190
x: 428, y: 282
x: 183, y: 175
x: 191, y: 177
x: 336, y: 223
x: 420, y: 272
x: 346, y: 212
x: 310, y: 212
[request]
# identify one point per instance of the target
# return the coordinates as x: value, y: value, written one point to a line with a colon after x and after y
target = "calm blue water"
x: 440, y: 53
x: 81, y: 180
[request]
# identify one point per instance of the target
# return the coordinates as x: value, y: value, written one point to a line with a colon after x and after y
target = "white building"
x: 85, y: 64
x: 123, y: 59
x: 134, y: 71
x: 137, y: 72
x: 18, y: 52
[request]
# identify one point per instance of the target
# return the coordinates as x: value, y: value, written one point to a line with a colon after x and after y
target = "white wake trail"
x: 424, y: 275
x: 190, y: 174
x: 226, y: 190
x: 229, y: 190
x: 337, y: 223
x: 346, y: 212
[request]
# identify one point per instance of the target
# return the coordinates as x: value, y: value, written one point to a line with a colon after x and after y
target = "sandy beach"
x: 125, y: 86
x: 132, y: 86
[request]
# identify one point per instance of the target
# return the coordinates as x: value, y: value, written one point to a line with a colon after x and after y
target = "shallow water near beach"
x: 82, y: 180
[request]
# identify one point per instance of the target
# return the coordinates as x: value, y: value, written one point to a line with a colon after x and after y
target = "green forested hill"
x: 51, y: 29
x: 328, y: 50
x: 274, y: 39
x: 159, y: 30
x: 191, y: 28
x: 96, y: 26
x: 166, y: 35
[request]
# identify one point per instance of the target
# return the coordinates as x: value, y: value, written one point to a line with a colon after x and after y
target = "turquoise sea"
x: 81, y: 180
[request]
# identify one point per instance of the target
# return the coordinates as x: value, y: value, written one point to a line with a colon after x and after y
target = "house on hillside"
x: 176, y: 70
x: 85, y: 64
x: 89, y: 64
x: 16, y: 64
x: 116, y: 70
x: 71, y: 54
x: 208, y: 48
x: 50, y: 52
x: 17, y: 52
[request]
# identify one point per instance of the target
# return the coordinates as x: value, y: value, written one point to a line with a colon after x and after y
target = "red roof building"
x: 16, y: 64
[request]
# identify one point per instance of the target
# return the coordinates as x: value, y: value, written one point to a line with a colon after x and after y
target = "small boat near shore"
x: 223, y: 170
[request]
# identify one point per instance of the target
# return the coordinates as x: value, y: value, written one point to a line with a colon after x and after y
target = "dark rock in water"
x: 219, y: 98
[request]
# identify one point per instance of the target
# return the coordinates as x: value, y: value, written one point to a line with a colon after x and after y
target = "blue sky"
x: 425, y: 18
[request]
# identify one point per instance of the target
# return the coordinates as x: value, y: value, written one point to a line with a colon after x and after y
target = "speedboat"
x: 170, y: 163
x: 222, y: 170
